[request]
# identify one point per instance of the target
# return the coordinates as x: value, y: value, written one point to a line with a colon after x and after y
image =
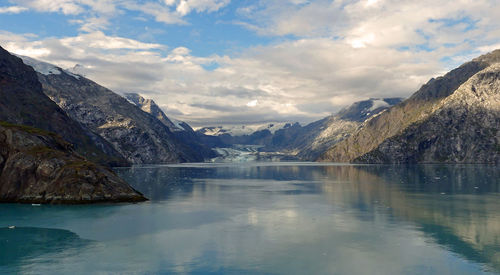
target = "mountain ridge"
x: 138, y: 136
x: 413, y: 111
x: 22, y: 101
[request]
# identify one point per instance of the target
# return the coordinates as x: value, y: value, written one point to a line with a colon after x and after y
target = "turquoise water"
x: 269, y: 218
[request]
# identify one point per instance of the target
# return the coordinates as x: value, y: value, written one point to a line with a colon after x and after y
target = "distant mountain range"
x: 452, y: 119
x: 301, y: 142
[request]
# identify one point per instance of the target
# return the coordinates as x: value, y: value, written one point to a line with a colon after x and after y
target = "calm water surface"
x: 269, y: 218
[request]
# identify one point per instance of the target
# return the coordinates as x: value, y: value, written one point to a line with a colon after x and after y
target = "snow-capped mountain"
x: 233, y: 130
x: 137, y: 135
x: 242, y: 130
x: 22, y: 101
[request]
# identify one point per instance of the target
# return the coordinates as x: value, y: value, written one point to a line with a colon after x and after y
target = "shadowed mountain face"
x: 181, y: 130
x: 454, y: 118
x: 22, y: 101
x: 138, y: 136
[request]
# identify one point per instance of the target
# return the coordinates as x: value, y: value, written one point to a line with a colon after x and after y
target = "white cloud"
x: 389, y: 23
x: 96, y: 14
x: 341, y: 51
x: 161, y: 13
x: 63, y: 6
x: 253, y: 103
x: 99, y: 40
x: 295, y: 80
x: 12, y: 9
x: 204, y: 5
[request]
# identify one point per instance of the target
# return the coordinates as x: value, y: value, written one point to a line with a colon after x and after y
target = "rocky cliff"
x: 135, y: 134
x: 40, y: 167
x: 150, y: 107
x: 454, y: 118
x: 22, y: 101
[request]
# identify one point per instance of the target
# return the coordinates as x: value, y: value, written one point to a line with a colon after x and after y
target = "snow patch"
x: 39, y: 66
x: 178, y: 124
x: 378, y: 103
x: 273, y: 127
x: 72, y: 74
x: 44, y: 67
x: 240, y: 130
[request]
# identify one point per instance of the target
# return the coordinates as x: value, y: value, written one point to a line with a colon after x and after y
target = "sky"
x: 221, y: 62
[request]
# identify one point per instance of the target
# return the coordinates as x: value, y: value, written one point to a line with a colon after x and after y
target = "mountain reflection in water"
x: 278, y: 218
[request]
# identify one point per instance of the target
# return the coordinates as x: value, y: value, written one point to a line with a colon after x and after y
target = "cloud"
x: 325, y: 55
x: 95, y: 14
x: 186, y: 6
x: 252, y: 103
x: 387, y: 23
x: 12, y: 9
x: 64, y: 6
x: 267, y: 83
x: 161, y: 13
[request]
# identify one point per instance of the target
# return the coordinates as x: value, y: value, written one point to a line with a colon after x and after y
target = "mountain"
x: 292, y: 141
x: 22, y: 101
x: 180, y: 129
x: 150, y: 107
x: 245, y: 134
x: 454, y: 118
x: 232, y: 130
x: 37, y: 166
x: 313, y: 139
x: 138, y: 136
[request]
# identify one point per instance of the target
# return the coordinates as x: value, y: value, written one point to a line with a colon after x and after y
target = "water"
x: 269, y: 218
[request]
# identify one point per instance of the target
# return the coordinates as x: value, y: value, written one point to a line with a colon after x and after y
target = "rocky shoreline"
x: 37, y: 166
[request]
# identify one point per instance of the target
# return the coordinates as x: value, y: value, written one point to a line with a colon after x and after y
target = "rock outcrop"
x: 452, y: 119
x: 37, y: 166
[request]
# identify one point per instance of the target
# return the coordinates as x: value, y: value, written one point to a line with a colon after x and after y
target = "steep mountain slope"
x: 454, y: 118
x: 150, y: 107
x: 135, y: 134
x: 318, y: 136
x: 40, y: 167
x: 181, y: 130
x: 22, y: 101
